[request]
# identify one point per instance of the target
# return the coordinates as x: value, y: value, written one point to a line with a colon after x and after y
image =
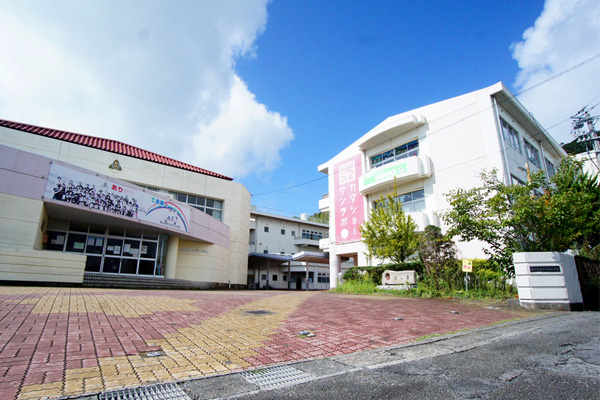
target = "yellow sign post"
x: 467, y: 266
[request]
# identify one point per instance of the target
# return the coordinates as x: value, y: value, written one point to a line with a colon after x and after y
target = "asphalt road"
x: 556, y: 356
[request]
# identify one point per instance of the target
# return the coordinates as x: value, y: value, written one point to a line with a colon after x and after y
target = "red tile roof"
x: 112, y: 146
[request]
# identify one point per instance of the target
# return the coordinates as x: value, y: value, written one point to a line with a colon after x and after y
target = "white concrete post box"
x: 398, y: 278
x: 548, y: 280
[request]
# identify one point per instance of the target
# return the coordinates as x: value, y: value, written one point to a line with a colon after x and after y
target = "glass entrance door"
x: 109, y: 250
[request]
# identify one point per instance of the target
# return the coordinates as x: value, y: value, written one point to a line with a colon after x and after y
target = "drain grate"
x: 272, y: 377
x: 166, y: 391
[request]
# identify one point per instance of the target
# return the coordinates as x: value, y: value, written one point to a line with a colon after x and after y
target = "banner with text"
x: 349, y: 206
x: 89, y: 190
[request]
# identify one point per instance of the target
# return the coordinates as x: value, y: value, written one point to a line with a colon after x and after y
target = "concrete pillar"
x: 306, y: 276
x: 171, y: 264
x: 268, y: 272
x: 289, y: 275
x: 334, y: 267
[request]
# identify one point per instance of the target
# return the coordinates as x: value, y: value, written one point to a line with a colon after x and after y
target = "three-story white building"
x: 427, y: 152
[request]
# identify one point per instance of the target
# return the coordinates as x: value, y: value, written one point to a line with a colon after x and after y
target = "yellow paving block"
x: 42, y: 386
x: 215, y: 345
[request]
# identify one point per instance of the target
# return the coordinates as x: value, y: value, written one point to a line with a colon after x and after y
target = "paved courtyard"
x: 57, y: 342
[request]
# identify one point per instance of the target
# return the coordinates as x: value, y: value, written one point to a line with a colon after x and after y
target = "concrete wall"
x: 44, y: 266
x: 21, y: 221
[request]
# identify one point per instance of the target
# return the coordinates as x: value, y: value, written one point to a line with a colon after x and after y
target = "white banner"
x: 89, y: 190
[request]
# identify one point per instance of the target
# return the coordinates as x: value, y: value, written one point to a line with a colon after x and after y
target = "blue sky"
x: 267, y: 91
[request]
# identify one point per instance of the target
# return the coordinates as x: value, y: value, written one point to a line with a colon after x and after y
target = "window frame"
x: 550, y: 167
x: 510, y: 135
x: 405, y: 150
x: 212, y: 207
x: 532, y: 153
x: 409, y: 206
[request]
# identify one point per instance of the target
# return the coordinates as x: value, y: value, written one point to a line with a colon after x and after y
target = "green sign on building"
x: 384, y: 174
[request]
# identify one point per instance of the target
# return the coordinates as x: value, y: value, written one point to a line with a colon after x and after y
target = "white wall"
x: 42, y: 266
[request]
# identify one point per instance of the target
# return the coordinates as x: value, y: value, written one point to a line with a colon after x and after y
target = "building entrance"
x: 109, y: 249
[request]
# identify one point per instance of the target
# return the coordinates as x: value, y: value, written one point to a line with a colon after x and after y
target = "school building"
x: 426, y: 153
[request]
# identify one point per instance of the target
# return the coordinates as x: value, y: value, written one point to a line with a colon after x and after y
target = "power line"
x: 290, y: 187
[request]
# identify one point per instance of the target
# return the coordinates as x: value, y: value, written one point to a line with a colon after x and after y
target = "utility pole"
x: 584, y: 131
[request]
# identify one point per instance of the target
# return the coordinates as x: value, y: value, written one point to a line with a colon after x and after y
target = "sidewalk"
x: 57, y: 342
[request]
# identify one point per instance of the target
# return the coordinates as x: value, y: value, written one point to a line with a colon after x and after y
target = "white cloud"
x: 565, y: 34
x: 158, y: 75
x: 255, y: 136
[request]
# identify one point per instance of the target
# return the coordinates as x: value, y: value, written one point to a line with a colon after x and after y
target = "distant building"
x: 284, y: 252
x: 428, y: 152
x: 74, y: 204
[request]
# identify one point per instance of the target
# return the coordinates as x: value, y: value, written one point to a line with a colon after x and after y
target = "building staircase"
x: 99, y: 280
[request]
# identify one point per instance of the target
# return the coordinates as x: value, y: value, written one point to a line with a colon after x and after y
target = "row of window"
x: 313, y: 235
x: 321, y: 278
x: 406, y: 150
x: 306, y: 234
x: 266, y: 229
x: 411, y: 202
x: 511, y: 136
x: 210, y: 206
x: 108, y: 249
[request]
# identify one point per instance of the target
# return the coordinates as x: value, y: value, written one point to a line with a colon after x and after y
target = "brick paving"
x: 57, y: 342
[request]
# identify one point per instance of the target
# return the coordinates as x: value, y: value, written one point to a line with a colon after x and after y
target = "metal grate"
x: 166, y: 391
x: 272, y: 377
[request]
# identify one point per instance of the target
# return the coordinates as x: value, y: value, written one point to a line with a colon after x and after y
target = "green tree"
x: 390, y: 233
x: 545, y: 215
x: 322, y: 217
x: 438, y: 253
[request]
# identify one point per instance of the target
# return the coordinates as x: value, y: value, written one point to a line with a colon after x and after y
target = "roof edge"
x: 109, y: 145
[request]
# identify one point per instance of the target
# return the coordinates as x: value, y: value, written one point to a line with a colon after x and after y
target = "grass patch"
x: 364, y: 286
x: 356, y: 287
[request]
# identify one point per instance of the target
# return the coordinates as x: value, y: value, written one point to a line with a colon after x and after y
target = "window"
x: 263, y: 277
x: 406, y: 150
x: 283, y: 231
x: 266, y: 251
x: 550, y: 168
x: 266, y: 229
x: 293, y: 233
x: 411, y: 202
x: 312, y: 235
x: 517, y: 181
x: 274, y: 278
x: 532, y: 154
x: 323, y: 278
x: 119, y: 251
x: 284, y: 278
x: 210, y: 206
x: 510, y: 135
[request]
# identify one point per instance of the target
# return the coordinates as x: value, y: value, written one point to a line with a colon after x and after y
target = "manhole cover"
x: 258, y: 312
x: 271, y: 377
x: 167, y: 391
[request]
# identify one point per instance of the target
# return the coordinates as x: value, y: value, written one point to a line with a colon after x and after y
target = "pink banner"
x: 349, y: 206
